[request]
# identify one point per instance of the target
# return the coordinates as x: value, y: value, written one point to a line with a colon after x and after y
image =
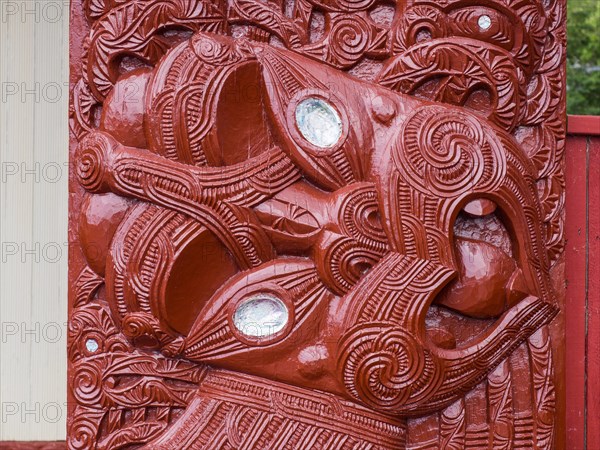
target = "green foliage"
x: 583, y: 57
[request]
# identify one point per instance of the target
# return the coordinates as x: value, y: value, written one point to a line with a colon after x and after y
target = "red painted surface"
x: 356, y: 236
x: 584, y: 125
x: 583, y: 289
x: 575, y: 300
x: 593, y: 295
x: 12, y: 445
x: 583, y: 284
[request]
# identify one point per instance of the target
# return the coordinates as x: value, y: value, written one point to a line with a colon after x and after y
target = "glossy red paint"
x: 386, y: 182
x: 576, y: 270
x: 576, y: 361
x: 593, y: 294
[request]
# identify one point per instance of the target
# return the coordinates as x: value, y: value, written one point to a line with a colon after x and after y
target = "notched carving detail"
x: 320, y: 224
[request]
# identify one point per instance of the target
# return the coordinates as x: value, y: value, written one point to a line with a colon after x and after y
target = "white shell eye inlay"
x: 319, y: 122
x: 91, y: 345
x: 261, y: 316
x: 484, y: 22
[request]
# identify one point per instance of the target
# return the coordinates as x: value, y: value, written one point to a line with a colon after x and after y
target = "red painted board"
x: 575, y: 300
x: 584, y: 125
x: 593, y: 295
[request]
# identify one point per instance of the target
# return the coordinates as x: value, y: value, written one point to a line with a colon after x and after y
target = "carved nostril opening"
x: 360, y: 267
x: 317, y: 26
x: 197, y: 270
x: 242, y: 126
x: 374, y: 219
x: 480, y: 99
x: 173, y: 35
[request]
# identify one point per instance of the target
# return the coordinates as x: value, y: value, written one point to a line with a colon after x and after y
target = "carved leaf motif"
x: 86, y: 286
x: 130, y: 29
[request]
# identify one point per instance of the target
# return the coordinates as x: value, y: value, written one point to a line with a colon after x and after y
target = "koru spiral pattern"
x: 316, y: 224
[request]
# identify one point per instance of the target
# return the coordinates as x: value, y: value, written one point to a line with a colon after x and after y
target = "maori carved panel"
x: 316, y: 224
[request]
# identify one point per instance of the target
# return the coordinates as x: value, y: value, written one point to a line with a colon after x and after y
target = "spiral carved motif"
x: 344, y: 261
x: 92, y: 161
x: 418, y: 23
x: 202, y: 194
x: 215, y: 52
x: 88, y: 380
x: 145, y: 326
x: 386, y: 367
x: 447, y: 156
x: 349, y: 39
x: 359, y: 216
x: 137, y: 324
x: 83, y: 433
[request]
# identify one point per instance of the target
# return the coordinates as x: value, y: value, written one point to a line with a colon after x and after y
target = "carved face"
x: 341, y: 206
x: 304, y: 223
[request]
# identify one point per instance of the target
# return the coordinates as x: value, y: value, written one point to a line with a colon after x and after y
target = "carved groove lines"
x: 500, y: 404
x: 327, y: 172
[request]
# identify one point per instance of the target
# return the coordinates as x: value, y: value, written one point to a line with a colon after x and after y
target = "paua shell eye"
x: 484, y: 22
x: 92, y: 345
x: 318, y: 122
x: 261, y: 316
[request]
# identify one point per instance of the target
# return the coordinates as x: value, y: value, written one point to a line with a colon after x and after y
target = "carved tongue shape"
x: 487, y: 279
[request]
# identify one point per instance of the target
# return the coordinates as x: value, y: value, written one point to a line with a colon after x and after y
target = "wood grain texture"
x: 583, y: 291
x: 33, y: 211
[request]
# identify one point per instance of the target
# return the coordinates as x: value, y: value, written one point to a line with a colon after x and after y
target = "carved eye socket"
x: 484, y: 22
x: 319, y: 122
x: 92, y: 345
x: 261, y: 316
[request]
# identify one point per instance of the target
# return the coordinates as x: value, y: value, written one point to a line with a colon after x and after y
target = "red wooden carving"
x: 317, y: 224
x: 33, y: 445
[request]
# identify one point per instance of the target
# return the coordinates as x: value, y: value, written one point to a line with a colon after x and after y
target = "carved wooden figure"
x: 316, y: 224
